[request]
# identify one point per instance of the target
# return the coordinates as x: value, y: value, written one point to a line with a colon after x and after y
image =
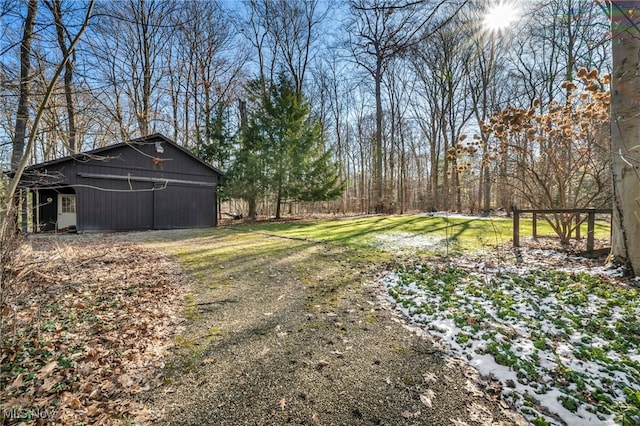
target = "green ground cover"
x: 563, y: 344
x: 448, y: 233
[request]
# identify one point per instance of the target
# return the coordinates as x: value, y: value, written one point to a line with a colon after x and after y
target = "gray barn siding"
x: 186, y: 203
x: 116, y: 211
x: 107, y: 201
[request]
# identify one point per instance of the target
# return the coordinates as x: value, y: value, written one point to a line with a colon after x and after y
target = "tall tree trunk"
x: 22, y: 164
x: 22, y: 115
x: 145, y: 114
x: 278, y: 202
x: 433, y: 199
x: 253, y: 208
x: 377, y: 151
x: 56, y: 9
x: 625, y: 133
x: 486, y: 191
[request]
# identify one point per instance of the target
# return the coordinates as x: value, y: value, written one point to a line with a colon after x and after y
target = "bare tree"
x: 486, y: 71
x: 625, y: 122
x: 444, y: 110
x: 64, y: 39
x: 117, y: 123
x: 204, y: 63
x: 401, y: 87
x: 257, y: 28
x: 560, y: 37
x: 285, y: 36
x: 297, y: 34
x: 134, y: 34
x: 42, y: 105
x: 22, y: 114
x: 380, y: 31
x: 334, y: 101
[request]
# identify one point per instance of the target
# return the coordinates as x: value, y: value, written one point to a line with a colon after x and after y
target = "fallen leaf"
x: 407, y: 414
x: 473, y: 389
x: 480, y: 414
x: 207, y: 361
x: 93, y: 409
x: 18, y: 381
x: 48, y: 384
x: 44, y: 371
x: 427, y: 397
x: 143, y: 416
x: 430, y: 377
x: 75, y: 403
x: 283, y: 404
x: 125, y: 380
x: 323, y: 363
x: 314, y: 419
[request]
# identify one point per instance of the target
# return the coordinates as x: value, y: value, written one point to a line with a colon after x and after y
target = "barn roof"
x: 157, y: 137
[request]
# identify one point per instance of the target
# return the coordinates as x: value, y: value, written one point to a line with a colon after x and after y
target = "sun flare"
x: 501, y: 15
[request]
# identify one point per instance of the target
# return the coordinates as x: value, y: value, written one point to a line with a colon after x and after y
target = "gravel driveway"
x: 281, y: 331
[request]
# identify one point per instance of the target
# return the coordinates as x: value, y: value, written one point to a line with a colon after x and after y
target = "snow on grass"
x: 407, y: 241
x: 564, y: 346
x: 450, y: 215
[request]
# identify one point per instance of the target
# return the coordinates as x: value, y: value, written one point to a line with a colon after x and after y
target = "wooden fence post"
x: 535, y: 226
x: 591, y: 225
x: 516, y: 227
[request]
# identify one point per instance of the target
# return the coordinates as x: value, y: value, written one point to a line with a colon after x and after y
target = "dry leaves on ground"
x: 90, y: 334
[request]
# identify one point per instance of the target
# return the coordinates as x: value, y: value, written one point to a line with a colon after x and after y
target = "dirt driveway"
x: 282, y: 331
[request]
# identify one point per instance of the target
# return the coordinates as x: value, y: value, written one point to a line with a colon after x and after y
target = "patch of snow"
x: 457, y: 216
x: 554, y: 315
x: 403, y: 241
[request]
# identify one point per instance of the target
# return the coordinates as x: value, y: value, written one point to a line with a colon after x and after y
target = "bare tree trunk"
x: 144, y: 116
x: 22, y: 115
x: 487, y: 191
x: 22, y: 164
x: 56, y: 9
x: 253, y: 207
x: 377, y: 149
x: 278, y: 203
x: 625, y: 134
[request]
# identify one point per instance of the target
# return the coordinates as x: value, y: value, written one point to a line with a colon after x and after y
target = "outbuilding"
x: 146, y: 183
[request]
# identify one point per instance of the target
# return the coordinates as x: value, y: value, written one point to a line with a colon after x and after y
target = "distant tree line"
x: 387, y: 88
x: 370, y: 105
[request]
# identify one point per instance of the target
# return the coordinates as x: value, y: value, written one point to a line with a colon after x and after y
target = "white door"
x: 66, y: 210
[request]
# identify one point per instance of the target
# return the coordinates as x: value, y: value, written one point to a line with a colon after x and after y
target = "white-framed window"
x: 68, y: 204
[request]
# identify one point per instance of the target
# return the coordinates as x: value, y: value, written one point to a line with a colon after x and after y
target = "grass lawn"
x: 448, y: 234
x: 564, y: 345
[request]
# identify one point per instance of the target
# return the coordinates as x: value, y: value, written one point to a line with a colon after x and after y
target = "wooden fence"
x: 590, y: 217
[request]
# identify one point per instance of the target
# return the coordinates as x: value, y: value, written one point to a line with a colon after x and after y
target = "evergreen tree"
x: 282, y: 152
x: 217, y: 143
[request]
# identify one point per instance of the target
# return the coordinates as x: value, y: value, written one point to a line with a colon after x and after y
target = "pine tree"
x: 282, y: 151
x: 217, y: 143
